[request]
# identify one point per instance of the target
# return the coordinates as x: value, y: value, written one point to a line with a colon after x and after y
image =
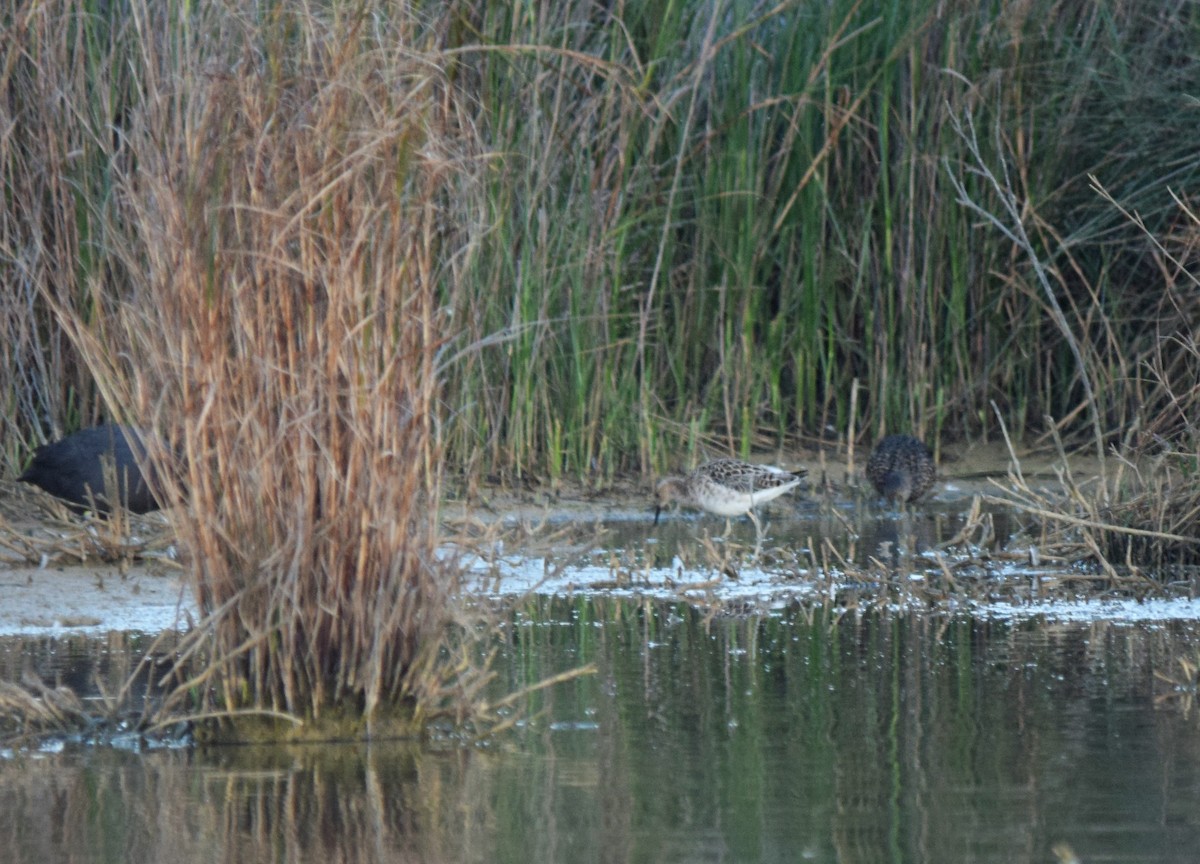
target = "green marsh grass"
x: 697, y: 225
x: 718, y: 217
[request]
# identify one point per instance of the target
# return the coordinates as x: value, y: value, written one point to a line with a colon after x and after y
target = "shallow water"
x: 935, y: 557
x: 861, y: 691
x: 805, y: 734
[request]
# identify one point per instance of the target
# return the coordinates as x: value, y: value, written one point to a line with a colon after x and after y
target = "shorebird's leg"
x: 728, y: 528
x: 758, y: 535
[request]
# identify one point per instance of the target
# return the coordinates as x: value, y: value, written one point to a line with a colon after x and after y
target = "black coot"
x: 73, y: 469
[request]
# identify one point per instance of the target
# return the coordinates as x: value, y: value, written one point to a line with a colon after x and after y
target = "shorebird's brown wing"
x: 743, y: 477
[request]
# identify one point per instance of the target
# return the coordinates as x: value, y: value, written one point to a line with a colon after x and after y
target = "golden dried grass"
x: 281, y: 232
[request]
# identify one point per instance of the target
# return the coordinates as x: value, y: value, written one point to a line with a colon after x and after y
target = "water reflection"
x: 811, y: 734
x: 862, y: 535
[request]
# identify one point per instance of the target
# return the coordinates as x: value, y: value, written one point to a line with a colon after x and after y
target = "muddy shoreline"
x: 55, y: 599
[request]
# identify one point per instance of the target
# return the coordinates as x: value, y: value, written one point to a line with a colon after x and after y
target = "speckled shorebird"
x: 901, y: 468
x: 727, y: 487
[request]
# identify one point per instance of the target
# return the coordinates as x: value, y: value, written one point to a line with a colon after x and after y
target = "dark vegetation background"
x: 676, y: 227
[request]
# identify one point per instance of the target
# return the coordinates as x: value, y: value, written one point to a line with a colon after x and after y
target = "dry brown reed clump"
x: 1136, y: 522
x: 31, y: 707
x: 37, y: 529
x: 276, y: 231
x: 1138, y: 519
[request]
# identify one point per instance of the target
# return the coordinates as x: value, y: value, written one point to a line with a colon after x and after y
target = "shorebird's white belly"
x: 727, y: 502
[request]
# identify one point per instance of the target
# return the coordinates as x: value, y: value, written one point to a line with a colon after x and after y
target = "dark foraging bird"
x: 901, y: 468
x: 74, y: 469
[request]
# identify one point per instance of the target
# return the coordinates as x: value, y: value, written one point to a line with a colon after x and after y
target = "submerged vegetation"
x: 332, y: 252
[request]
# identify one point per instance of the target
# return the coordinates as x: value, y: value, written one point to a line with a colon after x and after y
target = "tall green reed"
x: 737, y: 210
x: 703, y: 223
x: 64, y: 86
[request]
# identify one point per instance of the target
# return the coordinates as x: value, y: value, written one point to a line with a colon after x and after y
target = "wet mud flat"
x: 61, y: 574
x: 940, y: 561
x: 834, y: 542
x: 959, y: 550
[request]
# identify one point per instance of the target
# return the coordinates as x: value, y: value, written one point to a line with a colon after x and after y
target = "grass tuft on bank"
x: 277, y: 212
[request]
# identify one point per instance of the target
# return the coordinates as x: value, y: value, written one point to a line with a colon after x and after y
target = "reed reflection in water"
x: 807, y: 735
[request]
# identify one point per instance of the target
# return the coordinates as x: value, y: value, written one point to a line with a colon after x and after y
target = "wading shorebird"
x: 73, y: 469
x: 727, y: 487
x: 901, y: 468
